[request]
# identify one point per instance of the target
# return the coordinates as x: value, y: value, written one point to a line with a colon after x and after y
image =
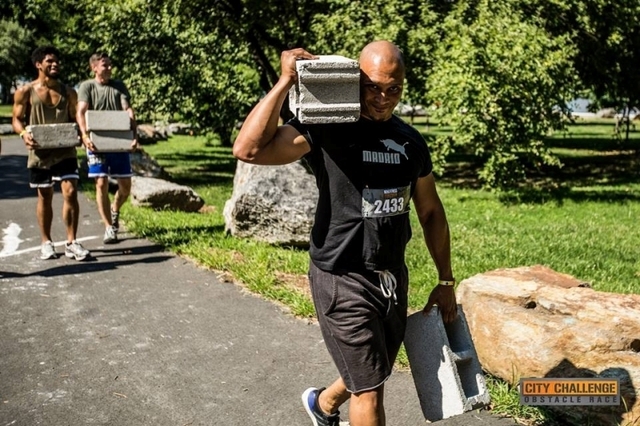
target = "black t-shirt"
x: 366, y: 174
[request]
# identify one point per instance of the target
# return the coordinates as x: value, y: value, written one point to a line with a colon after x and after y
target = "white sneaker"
x: 110, y: 235
x: 75, y: 250
x: 48, y: 251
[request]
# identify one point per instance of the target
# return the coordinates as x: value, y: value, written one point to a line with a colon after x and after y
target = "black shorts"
x: 362, y: 329
x: 64, y: 170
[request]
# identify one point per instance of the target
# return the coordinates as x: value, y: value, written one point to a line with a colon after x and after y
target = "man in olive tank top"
x: 105, y: 94
x: 47, y: 101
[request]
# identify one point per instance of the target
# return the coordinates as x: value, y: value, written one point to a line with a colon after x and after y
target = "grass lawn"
x: 588, y: 228
x: 5, y: 110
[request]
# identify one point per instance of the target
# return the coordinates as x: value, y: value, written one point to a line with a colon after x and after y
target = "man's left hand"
x: 135, y: 145
x: 445, y: 298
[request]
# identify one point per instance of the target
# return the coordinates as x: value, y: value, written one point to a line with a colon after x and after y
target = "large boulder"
x: 150, y: 134
x: 6, y: 129
x: 179, y: 129
x: 161, y: 194
x: 142, y: 164
x: 535, y: 322
x: 274, y: 204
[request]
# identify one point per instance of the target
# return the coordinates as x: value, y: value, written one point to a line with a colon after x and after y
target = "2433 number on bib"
x: 385, y: 202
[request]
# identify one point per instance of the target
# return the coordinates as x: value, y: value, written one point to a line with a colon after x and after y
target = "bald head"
x: 381, y: 53
x: 381, y: 80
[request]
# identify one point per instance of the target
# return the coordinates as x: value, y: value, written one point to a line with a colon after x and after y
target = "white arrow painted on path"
x: 10, y: 240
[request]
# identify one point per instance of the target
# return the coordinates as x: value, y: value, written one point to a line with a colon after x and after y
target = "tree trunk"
x: 225, y: 136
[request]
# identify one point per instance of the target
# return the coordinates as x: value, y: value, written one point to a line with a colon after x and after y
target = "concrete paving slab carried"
x: 54, y: 136
x: 112, y: 140
x: 107, y: 120
x: 139, y: 336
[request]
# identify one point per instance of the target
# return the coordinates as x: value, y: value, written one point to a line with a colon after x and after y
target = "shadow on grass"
x: 203, y: 167
x: 595, y: 143
x: 562, y: 194
x: 173, y: 237
x: 602, y: 177
x: 604, y: 174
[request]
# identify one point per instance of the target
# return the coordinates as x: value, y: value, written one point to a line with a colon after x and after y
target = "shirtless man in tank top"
x: 47, y: 101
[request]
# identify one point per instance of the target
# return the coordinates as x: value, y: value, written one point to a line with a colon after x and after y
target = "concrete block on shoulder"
x: 112, y: 141
x: 53, y: 136
x: 107, y: 120
x: 327, y: 90
x: 444, y: 365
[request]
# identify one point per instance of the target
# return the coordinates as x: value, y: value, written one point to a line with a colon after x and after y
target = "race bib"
x: 385, y: 202
x: 93, y: 159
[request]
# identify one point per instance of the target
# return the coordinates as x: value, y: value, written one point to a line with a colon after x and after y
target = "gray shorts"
x: 362, y: 329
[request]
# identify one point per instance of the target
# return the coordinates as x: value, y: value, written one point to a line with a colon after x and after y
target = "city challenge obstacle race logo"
x: 596, y: 391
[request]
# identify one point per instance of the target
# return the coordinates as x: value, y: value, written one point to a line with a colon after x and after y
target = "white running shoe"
x: 75, y: 250
x: 48, y: 251
x: 110, y: 235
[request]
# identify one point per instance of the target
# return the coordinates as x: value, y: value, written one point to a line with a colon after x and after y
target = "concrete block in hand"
x: 327, y: 90
x: 107, y: 120
x: 444, y: 364
x: 112, y: 141
x: 53, y: 136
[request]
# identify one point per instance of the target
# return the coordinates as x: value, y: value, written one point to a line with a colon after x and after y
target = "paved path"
x: 138, y: 336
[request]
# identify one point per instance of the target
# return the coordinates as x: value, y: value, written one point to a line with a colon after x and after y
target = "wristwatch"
x: 447, y: 283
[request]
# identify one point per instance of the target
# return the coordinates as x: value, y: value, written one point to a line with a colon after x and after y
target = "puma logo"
x: 394, y: 146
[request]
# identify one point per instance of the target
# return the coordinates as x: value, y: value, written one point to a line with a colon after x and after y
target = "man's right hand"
x: 86, y: 141
x: 445, y: 298
x: 288, y: 62
x: 28, y: 140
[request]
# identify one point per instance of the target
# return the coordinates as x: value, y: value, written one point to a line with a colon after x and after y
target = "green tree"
x: 61, y: 23
x: 197, y: 61
x: 346, y: 27
x: 185, y: 70
x: 606, y: 37
x: 14, y: 55
x: 188, y: 60
x: 497, y: 80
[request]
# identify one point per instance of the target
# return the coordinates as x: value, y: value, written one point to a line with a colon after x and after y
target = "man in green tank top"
x: 48, y: 101
x: 105, y: 94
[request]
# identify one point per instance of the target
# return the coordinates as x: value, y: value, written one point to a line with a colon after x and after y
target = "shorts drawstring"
x: 388, y: 284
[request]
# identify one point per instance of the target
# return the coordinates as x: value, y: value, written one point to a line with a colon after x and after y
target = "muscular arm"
x: 20, y: 106
x: 434, y: 224
x: 72, y: 96
x: 126, y: 106
x: 134, y: 128
x: 435, y: 229
x: 132, y: 117
x: 261, y: 140
x: 125, y: 101
x: 82, y: 108
x: 72, y: 104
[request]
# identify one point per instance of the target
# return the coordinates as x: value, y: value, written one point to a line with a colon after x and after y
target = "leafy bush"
x: 498, y: 81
